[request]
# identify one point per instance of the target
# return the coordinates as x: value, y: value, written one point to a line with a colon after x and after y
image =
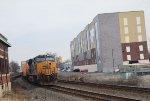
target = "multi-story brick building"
x: 5, y: 84
x: 110, y: 40
x: 133, y: 37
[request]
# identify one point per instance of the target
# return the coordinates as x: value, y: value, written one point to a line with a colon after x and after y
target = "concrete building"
x: 110, y: 40
x: 5, y: 84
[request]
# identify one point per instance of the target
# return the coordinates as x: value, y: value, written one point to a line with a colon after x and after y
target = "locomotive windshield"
x: 39, y: 59
x: 50, y: 58
x: 44, y: 58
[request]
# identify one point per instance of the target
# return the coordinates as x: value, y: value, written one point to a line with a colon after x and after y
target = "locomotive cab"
x: 42, y: 70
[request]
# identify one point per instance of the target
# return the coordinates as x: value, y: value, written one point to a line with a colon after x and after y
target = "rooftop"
x: 3, y: 39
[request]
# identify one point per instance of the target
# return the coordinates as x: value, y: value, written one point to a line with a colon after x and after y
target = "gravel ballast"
x: 24, y: 91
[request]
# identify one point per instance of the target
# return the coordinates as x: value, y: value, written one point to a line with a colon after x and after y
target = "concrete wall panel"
x: 110, y: 41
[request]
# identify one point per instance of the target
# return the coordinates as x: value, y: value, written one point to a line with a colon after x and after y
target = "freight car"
x: 40, y: 70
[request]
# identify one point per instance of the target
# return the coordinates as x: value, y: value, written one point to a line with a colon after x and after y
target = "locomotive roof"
x: 42, y: 56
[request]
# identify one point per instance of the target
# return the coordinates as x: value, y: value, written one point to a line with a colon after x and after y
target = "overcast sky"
x: 38, y: 26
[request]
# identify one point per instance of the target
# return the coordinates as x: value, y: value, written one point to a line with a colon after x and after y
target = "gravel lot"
x: 23, y: 91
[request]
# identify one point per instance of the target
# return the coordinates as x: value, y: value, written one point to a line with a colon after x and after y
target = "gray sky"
x: 38, y: 26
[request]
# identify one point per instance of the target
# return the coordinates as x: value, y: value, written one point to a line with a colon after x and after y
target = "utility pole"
x: 113, y: 60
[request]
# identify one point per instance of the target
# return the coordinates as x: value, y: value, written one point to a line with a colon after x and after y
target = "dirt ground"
x: 23, y: 91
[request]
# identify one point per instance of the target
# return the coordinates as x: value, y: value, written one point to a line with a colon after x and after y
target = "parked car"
x: 85, y: 70
x: 76, y: 70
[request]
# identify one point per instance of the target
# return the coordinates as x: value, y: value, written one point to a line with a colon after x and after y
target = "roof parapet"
x: 4, y: 40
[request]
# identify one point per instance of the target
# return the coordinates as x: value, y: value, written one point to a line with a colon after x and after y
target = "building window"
x: 92, y: 38
x: 141, y: 56
x: 72, y: 49
x: 81, y: 43
x: 126, y: 30
x: 92, y: 55
x: 139, y: 38
x: 125, y: 21
x: 139, y: 30
x: 127, y: 39
x: 88, y: 39
x: 138, y: 20
x: 128, y: 49
x: 84, y: 41
x: 141, y: 47
x: 129, y: 57
x: 97, y: 40
x: 78, y: 45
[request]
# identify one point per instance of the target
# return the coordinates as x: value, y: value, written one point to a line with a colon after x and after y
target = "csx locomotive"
x: 41, y: 70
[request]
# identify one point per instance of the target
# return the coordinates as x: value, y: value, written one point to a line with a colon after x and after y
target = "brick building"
x: 5, y: 84
x: 110, y: 40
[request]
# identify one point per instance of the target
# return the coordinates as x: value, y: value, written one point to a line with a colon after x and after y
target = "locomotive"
x: 41, y: 70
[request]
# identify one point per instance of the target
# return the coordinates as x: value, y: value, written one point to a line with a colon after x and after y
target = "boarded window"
x: 138, y: 20
x: 129, y: 57
x: 126, y: 30
x: 139, y: 38
x: 141, y: 56
x: 127, y: 39
x: 141, y: 47
x: 127, y: 49
x: 125, y: 21
x: 139, y: 30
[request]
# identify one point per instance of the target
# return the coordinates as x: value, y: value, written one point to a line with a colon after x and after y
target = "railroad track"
x: 116, y: 87
x: 88, y: 95
x: 64, y: 87
x: 92, y: 96
x: 15, y: 77
x: 123, y: 93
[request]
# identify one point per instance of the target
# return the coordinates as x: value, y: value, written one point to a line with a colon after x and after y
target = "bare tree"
x: 14, y: 66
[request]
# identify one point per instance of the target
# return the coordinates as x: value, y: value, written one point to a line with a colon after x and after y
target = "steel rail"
x: 116, y: 87
x: 90, y: 95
